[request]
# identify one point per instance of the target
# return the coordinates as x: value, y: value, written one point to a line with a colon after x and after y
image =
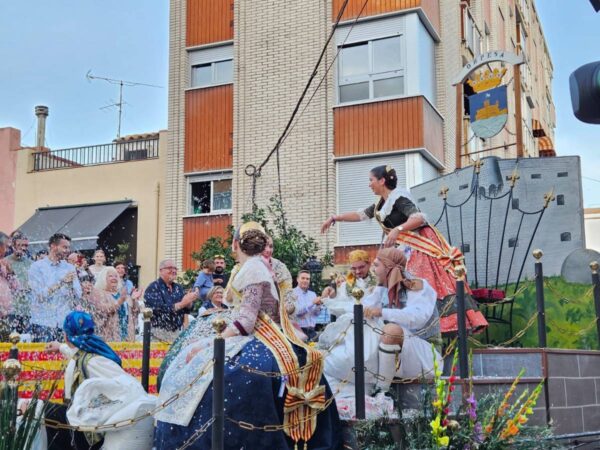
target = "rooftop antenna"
x: 121, y: 83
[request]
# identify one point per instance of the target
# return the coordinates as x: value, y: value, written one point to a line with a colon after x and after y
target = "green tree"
x: 290, y: 245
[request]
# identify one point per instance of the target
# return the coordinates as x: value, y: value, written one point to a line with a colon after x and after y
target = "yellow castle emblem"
x: 487, y: 111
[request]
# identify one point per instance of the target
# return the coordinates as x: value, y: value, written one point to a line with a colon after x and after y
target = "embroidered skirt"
x: 429, y: 268
x: 253, y: 398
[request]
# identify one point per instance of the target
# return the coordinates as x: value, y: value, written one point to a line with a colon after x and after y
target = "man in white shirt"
x: 308, y: 305
x: 359, y: 276
x: 55, y: 290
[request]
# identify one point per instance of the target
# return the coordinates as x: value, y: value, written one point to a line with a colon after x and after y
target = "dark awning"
x: 82, y: 223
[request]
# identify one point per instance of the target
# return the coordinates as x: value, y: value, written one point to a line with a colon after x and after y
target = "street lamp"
x: 315, y: 268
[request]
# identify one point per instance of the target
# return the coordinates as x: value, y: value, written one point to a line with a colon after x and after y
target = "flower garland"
x: 351, y: 282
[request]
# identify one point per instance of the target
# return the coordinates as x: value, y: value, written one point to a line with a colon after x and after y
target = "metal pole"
x: 147, y: 314
x: 359, y: 354
x: 218, y: 435
x: 12, y: 369
x: 463, y: 352
x: 517, y: 86
x: 14, y: 338
x: 539, y: 295
x: 596, y: 283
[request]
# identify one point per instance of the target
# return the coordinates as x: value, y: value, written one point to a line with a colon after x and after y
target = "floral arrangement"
x: 494, y: 422
x: 441, y: 404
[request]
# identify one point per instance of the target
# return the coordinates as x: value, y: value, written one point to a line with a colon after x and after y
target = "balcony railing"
x: 115, y: 152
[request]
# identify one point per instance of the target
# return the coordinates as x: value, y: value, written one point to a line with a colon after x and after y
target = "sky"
x: 47, y: 47
x: 572, y: 31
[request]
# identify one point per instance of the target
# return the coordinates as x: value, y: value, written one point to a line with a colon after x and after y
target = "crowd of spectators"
x: 38, y: 291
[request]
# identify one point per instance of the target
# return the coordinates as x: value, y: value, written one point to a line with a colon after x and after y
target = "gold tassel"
x: 305, y: 445
x: 296, y: 446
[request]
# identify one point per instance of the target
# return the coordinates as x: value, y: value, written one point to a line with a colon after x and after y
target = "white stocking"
x: 388, y: 356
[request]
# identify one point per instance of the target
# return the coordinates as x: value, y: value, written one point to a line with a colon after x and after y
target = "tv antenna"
x: 120, y: 103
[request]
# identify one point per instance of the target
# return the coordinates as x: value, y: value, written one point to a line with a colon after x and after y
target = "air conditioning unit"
x: 137, y: 154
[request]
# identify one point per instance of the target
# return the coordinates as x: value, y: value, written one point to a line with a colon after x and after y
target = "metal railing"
x: 115, y: 152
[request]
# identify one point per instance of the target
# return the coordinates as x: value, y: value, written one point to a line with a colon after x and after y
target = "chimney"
x: 41, y: 112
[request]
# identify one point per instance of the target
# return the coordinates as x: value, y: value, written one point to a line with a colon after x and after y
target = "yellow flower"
x: 350, y: 279
x: 435, y: 425
x: 443, y: 441
x: 437, y: 404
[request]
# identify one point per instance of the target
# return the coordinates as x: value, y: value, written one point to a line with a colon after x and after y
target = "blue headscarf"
x: 79, y: 327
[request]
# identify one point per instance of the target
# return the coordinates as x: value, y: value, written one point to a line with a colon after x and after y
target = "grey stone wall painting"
x: 498, y: 210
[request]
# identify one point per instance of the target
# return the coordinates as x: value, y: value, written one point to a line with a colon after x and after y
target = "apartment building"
x: 384, y: 96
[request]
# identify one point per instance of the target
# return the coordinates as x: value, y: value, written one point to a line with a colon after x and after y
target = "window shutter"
x: 211, y: 54
x: 354, y: 194
x: 369, y: 30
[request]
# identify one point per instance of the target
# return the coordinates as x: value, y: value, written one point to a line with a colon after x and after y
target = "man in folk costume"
x: 405, y: 310
x: 359, y: 276
x: 412, y: 322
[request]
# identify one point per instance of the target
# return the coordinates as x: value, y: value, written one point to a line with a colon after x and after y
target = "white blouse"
x: 418, y: 310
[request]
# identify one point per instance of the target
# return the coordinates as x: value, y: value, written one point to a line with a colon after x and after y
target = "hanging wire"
x: 324, y: 77
x: 255, y: 171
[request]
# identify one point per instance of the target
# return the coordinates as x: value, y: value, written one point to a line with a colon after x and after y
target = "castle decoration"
x: 488, y: 108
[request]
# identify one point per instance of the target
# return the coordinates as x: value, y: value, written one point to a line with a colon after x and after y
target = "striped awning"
x: 546, y: 147
x: 538, y: 130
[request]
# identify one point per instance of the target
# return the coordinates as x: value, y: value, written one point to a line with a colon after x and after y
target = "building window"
x: 471, y: 34
x: 562, y: 174
x: 515, y: 203
x: 513, y: 242
x: 211, y: 66
x: 565, y: 237
x: 371, y: 69
x: 560, y: 200
x: 211, y: 74
x: 210, y: 196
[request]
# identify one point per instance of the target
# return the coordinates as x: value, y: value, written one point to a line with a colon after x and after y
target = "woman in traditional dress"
x: 202, y: 327
x: 405, y: 310
x: 106, y: 303
x: 430, y: 256
x: 259, y: 342
x: 97, y: 392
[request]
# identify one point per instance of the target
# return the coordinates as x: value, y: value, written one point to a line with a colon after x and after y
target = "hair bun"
x: 253, y: 242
